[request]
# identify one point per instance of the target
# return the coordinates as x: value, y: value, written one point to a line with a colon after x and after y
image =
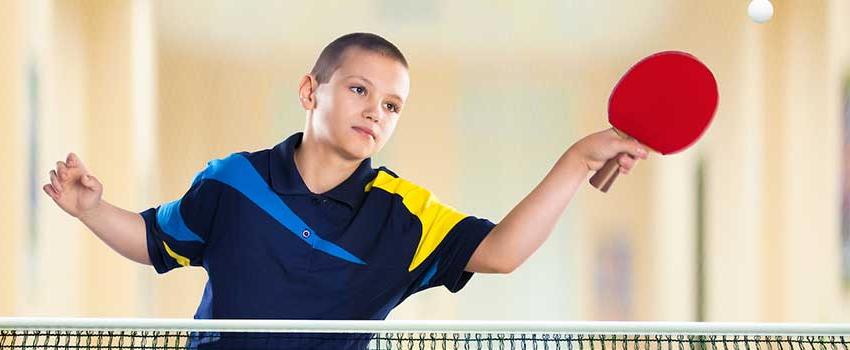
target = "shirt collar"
x: 285, y: 178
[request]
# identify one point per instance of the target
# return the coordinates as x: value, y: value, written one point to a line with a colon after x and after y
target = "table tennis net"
x: 191, y: 334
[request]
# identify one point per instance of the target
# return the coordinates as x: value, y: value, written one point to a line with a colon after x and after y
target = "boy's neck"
x: 321, y: 168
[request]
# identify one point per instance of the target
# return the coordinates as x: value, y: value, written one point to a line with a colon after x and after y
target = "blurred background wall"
x: 751, y: 224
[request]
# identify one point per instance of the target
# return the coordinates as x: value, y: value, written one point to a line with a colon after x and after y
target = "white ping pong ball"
x: 760, y: 11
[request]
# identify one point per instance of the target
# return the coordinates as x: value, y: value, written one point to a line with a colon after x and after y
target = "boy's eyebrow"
x: 373, y: 84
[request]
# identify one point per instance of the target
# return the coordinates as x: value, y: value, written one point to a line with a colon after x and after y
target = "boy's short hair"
x: 331, y: 56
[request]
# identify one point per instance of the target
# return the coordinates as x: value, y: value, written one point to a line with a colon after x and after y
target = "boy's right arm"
x: 79, y: 194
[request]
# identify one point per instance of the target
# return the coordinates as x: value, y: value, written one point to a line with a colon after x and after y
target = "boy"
x: 308, y: 229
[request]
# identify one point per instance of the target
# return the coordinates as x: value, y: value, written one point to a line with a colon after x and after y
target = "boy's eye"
x: 358, y: 90
x: 391, y: 107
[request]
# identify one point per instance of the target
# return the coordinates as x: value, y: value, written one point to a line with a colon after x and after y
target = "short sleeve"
x: 178, y: 231
x: 446, y: 237
x: 446, y: 265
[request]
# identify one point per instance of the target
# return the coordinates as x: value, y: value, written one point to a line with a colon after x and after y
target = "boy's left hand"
x: 597, y: 148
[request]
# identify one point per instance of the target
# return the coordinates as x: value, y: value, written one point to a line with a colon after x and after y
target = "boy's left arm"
x: 531, y: 221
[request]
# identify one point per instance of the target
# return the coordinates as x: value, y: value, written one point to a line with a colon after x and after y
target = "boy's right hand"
x: 597, y: 148
x: 73, y: 188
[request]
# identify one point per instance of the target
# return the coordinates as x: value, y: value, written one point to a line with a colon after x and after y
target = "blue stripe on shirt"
x: 236, y: 171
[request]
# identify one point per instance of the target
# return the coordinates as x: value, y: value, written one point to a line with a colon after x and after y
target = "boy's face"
x: 356, y: 111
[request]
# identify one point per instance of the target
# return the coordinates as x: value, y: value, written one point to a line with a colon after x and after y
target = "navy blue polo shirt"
x: 274, y: 250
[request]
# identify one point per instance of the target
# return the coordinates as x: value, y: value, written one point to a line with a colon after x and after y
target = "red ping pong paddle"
x: 665, y: 101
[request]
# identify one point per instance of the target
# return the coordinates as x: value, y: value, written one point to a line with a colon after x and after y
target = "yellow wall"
x: 12, y: 127
x: 109, y: 144
x: 81, y: 51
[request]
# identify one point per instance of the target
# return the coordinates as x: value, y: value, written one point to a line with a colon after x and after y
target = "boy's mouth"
x: 365, y: 132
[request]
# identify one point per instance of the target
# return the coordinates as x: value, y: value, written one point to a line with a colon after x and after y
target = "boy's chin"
x: 360, y: 153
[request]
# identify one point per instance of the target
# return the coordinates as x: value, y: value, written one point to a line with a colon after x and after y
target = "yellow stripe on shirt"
x: 182, y: 260
x: 437, y: 218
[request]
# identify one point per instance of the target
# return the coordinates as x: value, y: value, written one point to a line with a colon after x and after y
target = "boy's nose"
x: 372, y: 114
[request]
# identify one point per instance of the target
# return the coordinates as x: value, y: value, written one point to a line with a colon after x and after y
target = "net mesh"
x: 33, y: 338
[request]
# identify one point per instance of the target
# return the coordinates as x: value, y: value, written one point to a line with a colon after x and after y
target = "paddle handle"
x: 605, y: 176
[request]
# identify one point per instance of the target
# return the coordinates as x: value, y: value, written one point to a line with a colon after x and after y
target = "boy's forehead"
x: 383, y: 71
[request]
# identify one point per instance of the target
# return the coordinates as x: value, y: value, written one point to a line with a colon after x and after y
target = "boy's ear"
x: 307, y: 92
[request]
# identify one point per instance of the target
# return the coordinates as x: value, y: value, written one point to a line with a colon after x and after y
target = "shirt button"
x: 305, y: 234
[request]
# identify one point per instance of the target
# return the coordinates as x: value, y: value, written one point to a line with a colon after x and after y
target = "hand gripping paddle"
x: 665, y: 101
